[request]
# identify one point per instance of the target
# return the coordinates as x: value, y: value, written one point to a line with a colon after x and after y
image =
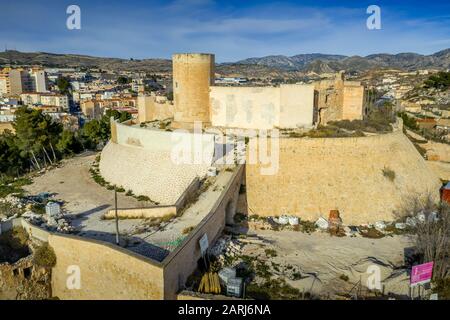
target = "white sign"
x: 204, y: 244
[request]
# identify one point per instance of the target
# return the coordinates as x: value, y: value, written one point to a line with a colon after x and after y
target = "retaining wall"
x: 317, y: 175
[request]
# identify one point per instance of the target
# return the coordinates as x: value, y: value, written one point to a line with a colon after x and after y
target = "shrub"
x: 143, y: 198
x: 388, y: 173
x: 13, y: 245
x: 273, y: 289
x: 167, y: 217
x: 187, y: 230
x: 120, y: 189
x: 9, y: 209
x: 442, y: 288
x: 44, y: 256
x: 239, y: 217
x: 307, y: 226
x: 344, y: 277
x: 16, y: 238
x: 270, y: 253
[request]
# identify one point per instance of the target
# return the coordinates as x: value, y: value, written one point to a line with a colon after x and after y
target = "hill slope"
x: 315, y: 62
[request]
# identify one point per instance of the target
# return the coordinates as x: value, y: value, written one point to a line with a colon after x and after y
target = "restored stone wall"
x: 296, y: 106
x: 143, y: 161
x: 245, y: 107
x: 107, y: 271
x: 317, y: 175
x: 147, y: 172
x: 287, y: 106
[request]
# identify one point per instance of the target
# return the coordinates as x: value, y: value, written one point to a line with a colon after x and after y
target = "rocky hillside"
x: 326, y: 63
x: 252, y: 67
x: 74, y: 60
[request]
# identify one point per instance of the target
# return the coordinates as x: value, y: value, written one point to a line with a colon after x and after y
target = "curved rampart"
x: 141, y: 160
x: 319, y: 174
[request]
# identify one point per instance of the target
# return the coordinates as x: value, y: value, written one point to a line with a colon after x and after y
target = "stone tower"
x: 193, y: 74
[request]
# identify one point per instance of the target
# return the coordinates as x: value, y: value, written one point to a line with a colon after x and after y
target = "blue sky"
x: 232, y: 30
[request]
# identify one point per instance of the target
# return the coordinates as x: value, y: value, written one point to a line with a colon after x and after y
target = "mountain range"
x: 315, y: 62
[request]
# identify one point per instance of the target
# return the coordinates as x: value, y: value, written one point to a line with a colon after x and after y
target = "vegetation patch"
x: 188, y: 230
x: 273, y: 289
x: 10, y: 185
x: 440, y: 81
x: 13, y: 245
x: 344, y: 277
x: 7, y: 209
x: 389, y: 173
x: 442, y: 288
x: 271, y: 253
x: 45, y: 256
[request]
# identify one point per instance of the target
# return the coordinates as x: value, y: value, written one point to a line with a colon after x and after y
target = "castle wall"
x: 143, y: 160
x: 287, y: 106
x: 339, y: 100
x: 317, y: 175
x: 107, y: 271
x: 245, y: 107
x: 296, y: 106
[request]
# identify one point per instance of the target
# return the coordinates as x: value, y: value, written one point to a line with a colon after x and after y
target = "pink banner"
x: 422, y: 273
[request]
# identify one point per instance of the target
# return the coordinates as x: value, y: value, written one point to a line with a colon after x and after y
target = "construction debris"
x: 210, y: 283
x: 322, y: 223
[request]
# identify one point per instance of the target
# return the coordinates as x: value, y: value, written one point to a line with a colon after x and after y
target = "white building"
x: 46, y: 99
x: 39, y: 83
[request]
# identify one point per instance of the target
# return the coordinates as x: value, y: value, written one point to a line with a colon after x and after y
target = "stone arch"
x: 230, y: 211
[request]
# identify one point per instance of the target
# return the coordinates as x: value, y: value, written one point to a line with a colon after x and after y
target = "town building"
x: 18, y: 80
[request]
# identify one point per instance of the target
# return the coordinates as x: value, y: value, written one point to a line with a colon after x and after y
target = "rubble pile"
x: 13, y: 200
x: 56, y: 223
x: 226, y: 247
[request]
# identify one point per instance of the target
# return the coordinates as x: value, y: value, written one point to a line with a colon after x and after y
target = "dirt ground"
x: 84, y: 200
x: 330, y: 266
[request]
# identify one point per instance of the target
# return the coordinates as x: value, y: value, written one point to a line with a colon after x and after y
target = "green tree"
x: 63, y: 85
x: 11, y: 162
x: 408, y: 121
x: 440, y: 80
x: 98, y: 131
x: 68, y: 143
x: 123, y: 80
x: 36, y: 135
